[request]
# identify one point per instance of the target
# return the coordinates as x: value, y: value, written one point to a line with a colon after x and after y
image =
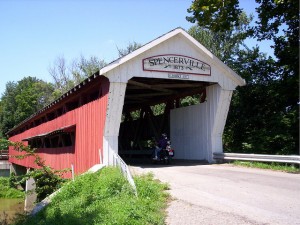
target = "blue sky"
x: 34, y: 33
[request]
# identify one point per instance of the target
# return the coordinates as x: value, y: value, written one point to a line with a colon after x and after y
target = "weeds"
x: 8, y: 192
x: 105, y: 197
x: 4, y: 219
x: 270, y: 166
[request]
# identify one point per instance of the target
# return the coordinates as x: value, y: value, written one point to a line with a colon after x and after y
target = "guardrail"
x: 118, y: 161
x: 4, y: 154
x: 293, y: 159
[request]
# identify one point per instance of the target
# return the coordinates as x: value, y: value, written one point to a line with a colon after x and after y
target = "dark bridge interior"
x: 142, y: 92
x: 146, y: 111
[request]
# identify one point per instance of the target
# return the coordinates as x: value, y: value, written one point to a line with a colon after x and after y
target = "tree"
x: 222, y: 14
x: 46, y: 179
x: 256, y: 121
x: 21, y: 99
x: 130, y: 48
x: 224, y: 44
x: 266, y: 110
x: 67, y: 76
x: 278, y: 20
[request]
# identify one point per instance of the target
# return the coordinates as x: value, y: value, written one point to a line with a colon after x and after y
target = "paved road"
x: 223, y: 194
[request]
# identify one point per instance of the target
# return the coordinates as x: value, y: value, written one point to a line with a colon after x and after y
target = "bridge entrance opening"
x: 147, y: 110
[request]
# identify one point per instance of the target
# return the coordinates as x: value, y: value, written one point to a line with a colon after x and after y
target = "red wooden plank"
x: 89, y: 120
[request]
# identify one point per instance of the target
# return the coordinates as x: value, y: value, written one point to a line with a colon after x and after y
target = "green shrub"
x: 46, y: 179
x: 105, y: 197
x: 7, y: 192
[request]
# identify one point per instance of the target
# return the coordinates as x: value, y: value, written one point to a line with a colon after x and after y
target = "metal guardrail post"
x: 292, y: 159
x: 118, y: 161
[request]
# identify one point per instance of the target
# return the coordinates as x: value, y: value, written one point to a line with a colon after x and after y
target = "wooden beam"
x: 164, y: 99
x: 177, y: 85
x: 139, y: 84
x: 164, y: 86
x: 138, y: 96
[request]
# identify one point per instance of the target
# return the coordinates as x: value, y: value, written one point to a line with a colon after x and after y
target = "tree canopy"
x: 132, y: 46
x: 22, y: 99
x: 264, y: 115
x: 67, y: 75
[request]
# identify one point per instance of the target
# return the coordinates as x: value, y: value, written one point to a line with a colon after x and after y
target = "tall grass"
x: 105, y: 197
x: 7, y: 192
x: 270, y: 166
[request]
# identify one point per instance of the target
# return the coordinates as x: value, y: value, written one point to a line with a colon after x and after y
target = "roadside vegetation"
x: 105, y: 197
x: 270, y: 166
x: 6, y: 191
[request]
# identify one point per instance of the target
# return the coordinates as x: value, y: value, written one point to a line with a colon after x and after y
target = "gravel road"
x: 223, y: 194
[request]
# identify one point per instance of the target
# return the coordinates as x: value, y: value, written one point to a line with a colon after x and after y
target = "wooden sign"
x: 172, y: 63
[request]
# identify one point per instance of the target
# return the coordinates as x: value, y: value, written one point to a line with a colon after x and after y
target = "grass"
x: 105, y: 197
x: 270, y: 166
x: 8, y: 192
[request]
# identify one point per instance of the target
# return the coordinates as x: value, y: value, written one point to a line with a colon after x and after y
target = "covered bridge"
x: 113, y: 109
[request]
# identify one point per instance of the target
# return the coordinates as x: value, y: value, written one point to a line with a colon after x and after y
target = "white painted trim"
x: 114, y: 108
x: 219, y: 120
x: 218, y: 63
x: 139, y: 51
x: 113, y: 119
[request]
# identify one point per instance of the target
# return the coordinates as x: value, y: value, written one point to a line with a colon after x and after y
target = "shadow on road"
x: 148, y: 163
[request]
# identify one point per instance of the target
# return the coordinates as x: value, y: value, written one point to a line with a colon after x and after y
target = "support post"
x: 30, y: 194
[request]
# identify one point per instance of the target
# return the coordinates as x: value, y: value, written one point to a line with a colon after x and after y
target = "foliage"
x: 222, y: 14
x: 3, y: 143
x: 13, y: 180
x: 1, y: 132
x: 46, y: 179
x: 21, y: 99
x: 224, y: 44
x: 270, y: 166
x: 190, y: 100
x: 68, y: 75
x: 30, y: 94
x: 105, y: 197
x: 264, y: 115
x: 9, y: 192
x: 267, y: 125
x: 278, y: 20
x: 130, y: 48
x: 158, y: 109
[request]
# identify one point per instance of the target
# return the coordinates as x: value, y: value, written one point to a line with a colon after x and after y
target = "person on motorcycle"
x: 162, y: 144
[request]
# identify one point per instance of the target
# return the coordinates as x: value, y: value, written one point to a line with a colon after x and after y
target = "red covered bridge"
x: 94, y: 118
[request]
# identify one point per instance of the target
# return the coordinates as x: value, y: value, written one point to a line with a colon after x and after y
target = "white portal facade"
x: 195, y: 131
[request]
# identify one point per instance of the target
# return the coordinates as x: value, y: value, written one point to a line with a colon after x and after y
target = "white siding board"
x: 115, y: 106
x: 113, y: 119
x: 196, y: 131
x: 178, y: 42
x: 110, y: 143
x: 187, y: 132
x: 176, y: 45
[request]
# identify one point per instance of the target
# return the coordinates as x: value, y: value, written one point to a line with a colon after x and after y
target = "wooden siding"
x: 189, y: 132
x: 89, y: 120
x: 196, y: 131
x: 179, y: 45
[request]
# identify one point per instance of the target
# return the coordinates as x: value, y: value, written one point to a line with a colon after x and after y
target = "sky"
x: 34, y: 33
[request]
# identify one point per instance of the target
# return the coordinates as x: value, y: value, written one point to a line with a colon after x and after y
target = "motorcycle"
x: 165, y: 155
